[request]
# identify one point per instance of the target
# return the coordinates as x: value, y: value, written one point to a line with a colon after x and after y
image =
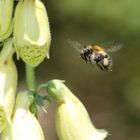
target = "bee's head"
x: 86, y: 54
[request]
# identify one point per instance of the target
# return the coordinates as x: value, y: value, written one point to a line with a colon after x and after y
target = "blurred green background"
x: 112, y: 99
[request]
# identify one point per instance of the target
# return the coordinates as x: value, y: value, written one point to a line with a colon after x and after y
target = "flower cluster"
x: 25, y: 31
x: 28, y: 34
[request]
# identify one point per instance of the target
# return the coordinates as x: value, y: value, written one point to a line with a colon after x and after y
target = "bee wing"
x: 114, y: 47
x: 75, y: 45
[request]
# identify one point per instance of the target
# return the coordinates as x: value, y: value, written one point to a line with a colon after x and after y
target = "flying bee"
x: 95, y: 54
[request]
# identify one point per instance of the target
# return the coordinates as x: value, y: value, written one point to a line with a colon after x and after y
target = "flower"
x: 8, y: 83
x: 72, y: 119
x: 24, y: 125
x: 6, y: 22
x: 31, y: 32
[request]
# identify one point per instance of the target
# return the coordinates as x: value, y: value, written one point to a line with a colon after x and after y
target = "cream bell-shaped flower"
x: 24, y: 126
x: 31, y: 31
x: 8, y: 83
x: 6, y: 22
x: 72, y: 119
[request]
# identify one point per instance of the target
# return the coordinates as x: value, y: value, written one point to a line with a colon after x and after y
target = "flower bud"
x: 31, y: 32
x: 6, y: 23
x: 72, y: 119
x: 24, y: 126
x: 8, y: 83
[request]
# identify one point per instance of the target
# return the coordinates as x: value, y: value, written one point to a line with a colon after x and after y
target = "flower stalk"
x: 30, y: 77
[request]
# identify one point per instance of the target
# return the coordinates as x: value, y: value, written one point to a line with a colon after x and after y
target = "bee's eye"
x: 86, y: 50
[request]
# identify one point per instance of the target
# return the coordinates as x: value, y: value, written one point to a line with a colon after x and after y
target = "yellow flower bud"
x: 72, y: 119
x: 8, y: 83
x: 24, y: 126
x: 6, y: 23
x: 31, y: 31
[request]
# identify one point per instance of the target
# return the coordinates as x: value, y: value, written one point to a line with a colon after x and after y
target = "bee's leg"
x: 84, y: 58
x: 100, y: 65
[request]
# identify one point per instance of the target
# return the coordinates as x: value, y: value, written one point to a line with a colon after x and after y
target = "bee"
x: 96, y: 54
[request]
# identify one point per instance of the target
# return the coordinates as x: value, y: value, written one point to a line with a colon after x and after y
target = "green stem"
x: 30, y: 77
